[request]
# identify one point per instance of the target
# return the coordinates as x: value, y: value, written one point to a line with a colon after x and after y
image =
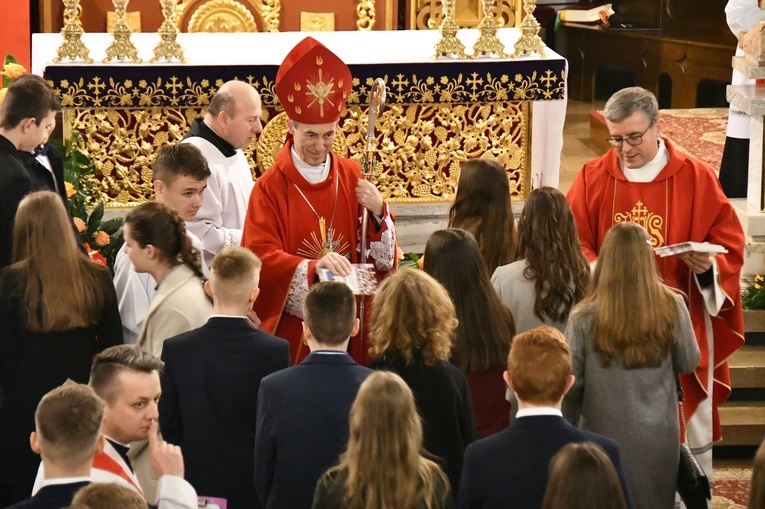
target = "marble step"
x: 747, y: 367
x: 743, y: 423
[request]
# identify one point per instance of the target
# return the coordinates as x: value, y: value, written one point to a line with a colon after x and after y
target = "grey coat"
x: 635, y: 407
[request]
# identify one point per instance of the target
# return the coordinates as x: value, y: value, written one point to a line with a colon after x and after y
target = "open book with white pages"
x: 361, y: 280
x: 687, y: 247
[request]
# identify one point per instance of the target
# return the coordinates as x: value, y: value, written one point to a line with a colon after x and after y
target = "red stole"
x: 684, y: 202
x: 103, y: 461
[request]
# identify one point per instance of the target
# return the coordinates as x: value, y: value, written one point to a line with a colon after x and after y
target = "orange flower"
x: 95, y: 255
x: 70, y: 190
x: 101, y: 238
x: 421, y: 262
x: 80, y: 224
x: 12, y: 70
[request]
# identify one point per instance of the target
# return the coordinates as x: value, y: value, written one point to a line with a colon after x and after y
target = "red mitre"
x: 313, y: 83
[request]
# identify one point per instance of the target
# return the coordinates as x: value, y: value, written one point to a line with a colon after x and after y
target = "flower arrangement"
x: 753, y: 296
x: 102, y: 239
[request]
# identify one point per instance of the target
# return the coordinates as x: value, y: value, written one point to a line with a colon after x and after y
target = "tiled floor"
x: 577, y: 149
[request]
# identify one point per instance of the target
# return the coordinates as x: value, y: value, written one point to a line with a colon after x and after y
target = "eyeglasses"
x: 633, y: 140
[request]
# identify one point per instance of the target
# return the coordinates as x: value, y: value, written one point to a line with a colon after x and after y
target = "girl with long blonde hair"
x: 629, y: 339
x: 383, y: 466
x: 57, y: 310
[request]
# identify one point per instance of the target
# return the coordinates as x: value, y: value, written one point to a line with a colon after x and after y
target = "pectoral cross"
x: 328, y: 245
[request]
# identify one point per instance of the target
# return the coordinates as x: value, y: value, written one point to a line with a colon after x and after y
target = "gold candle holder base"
x: 488, y: 44
x: 449, y: 45
x: 72, y: 47
x: 168, y: 47
x: 530, y: 42
x: 121, y: 47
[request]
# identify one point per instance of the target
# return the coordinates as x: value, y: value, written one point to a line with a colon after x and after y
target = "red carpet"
x: 731, y: 488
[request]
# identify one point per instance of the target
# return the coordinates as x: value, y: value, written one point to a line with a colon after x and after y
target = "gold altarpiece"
x: 439, y: 113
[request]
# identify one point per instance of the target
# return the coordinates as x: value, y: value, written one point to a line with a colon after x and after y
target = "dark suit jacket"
x: 14, y: 184
x: 42, y: 178
x: 209, y: 400
x: 303, y: 426
x: 52, y: 496
x: 509, y: 470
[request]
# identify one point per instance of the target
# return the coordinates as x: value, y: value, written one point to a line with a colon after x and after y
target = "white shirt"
x: 539, y: 410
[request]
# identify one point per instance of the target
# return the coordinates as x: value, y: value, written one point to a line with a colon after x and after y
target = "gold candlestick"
x: 530, y: 41
x: 449, y: 45
x: 121, y: 47
x: 488, y: 44
x: 168, y: 47
x: 72, y: 47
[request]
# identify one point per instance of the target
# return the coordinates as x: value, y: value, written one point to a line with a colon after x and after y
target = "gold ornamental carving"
x: 530, y: 42
x: 365, y: 9
x: 72, y: 48
x: 449, y: 45
x: 168, y: 47
x: 269, y: 9
x: 121, y: 47
x: 419, y: 158
x: 653, y: 223
x: 427, y: 14
x: 488, y: 44
x: 317, y: 21
x: 222, y: 16
x: 232, y: 12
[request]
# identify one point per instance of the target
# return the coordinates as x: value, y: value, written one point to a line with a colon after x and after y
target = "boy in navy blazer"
x: 303, y: 411
x: 211, y: 380
x: 509, y: 469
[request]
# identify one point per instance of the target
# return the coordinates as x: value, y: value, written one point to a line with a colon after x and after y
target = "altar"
x: 439, y: 113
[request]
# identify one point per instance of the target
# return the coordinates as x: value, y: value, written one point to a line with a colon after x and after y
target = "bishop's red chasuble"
x: 283, y: 228
x: 683, y: 203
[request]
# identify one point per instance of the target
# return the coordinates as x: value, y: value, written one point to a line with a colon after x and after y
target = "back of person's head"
x: 28, y: 96
x: 548, y: 240
x: 412, y: 315
x: 107, y: 365
x: 635, y: 313
x: 629, y: 100
x: 485, y: 325
x: 329, y: 310
x: 583, y: 477
x: 108, y: 496
x: 43, y: 243
x: 68, y: 425
x: 383, y: 454
x: 539, y: 366
x: 757, y: 495
x: 152, y: 223
x: 234, y: 274
x: 482, y: 206
x: 180, y: 159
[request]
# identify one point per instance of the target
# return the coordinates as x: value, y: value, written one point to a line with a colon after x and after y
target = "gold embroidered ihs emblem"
x: 653, y: 223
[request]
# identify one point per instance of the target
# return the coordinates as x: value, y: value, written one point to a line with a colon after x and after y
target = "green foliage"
x: 410, y: 260
x: 753, y: 296
x: 78, y: 172
x: 9, y: 59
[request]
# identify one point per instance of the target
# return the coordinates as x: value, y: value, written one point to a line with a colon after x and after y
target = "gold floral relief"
x: 421, y: 147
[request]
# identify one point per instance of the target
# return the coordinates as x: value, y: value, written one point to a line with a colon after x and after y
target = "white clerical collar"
x: 539, y: 410
x: 313, y: 174
x: 651, y: 169
x: 65, y: 480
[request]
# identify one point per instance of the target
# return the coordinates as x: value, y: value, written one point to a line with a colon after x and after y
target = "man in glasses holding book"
x: 677, y: 199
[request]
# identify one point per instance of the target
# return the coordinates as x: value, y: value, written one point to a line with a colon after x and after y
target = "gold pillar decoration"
x: 168, y: 47
x: 72, y: 47
x: 530, y: 41
x: 449, y: 45
x: 121, y: 47
x: 488, y: 44
x: 366, y: 12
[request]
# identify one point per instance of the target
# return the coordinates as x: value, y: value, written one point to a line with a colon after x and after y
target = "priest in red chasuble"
x: 676, y: 198
x: 305, y: 212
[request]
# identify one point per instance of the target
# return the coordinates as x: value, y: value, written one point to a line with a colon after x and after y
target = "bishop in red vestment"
x: 305, y: 212
x: 676, y: 198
